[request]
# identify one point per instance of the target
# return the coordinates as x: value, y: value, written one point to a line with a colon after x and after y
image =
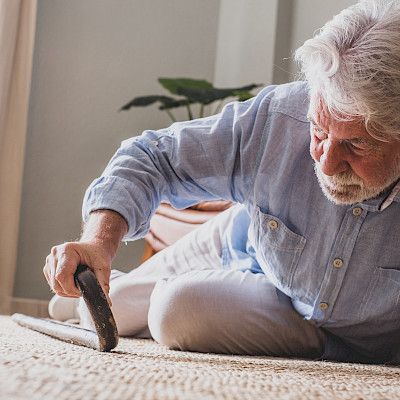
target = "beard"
x: 347, y: 188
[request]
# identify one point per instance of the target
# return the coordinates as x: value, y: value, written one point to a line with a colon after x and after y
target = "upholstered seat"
x: 169, y: 224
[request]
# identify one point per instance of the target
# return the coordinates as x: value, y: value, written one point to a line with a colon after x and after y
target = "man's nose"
x: 332, y: 159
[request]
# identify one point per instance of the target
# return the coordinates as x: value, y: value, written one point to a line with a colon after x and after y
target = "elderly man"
x: 308, y: 262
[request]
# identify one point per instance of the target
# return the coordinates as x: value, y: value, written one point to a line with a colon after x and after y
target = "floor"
x: 34, y: 366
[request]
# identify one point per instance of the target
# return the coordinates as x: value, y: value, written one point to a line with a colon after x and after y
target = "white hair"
x: 352, y: 64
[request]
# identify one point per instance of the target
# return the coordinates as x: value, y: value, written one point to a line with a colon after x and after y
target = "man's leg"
x: 191, y: 303
x: 231, y: 312
x: 130, y: 292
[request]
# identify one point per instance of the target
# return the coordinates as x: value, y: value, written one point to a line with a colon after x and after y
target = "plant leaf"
x: 144, y: 101
x: 209, y: 95
x: 193, y: 91
x: 175, y: 104
x: 173, y: 84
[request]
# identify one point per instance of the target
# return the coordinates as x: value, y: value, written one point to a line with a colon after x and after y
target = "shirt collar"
x: 384, y: 200
x: 394, y: 195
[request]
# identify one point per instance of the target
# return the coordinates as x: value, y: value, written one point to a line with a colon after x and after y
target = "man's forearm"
x: 106, y: 227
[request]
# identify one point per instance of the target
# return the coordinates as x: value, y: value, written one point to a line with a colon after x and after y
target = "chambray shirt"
x: 340, y: 265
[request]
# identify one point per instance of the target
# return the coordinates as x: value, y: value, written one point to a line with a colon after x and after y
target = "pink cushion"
x: 169, y: 224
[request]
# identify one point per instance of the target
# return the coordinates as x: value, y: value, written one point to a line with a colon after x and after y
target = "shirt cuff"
x: 110, y: 193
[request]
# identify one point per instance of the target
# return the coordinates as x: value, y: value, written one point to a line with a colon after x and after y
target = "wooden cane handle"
x: 98, y: 307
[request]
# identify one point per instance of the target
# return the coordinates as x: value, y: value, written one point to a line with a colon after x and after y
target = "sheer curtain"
x: 17, y: 30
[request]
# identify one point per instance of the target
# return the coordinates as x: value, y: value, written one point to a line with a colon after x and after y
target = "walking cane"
x: 105, y: 338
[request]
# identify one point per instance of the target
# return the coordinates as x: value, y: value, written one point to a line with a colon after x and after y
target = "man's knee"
x: 228, y: 312
x: 177, y: 314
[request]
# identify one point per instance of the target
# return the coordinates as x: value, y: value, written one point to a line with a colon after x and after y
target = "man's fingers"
x: 65, y: 275
x: 46, y: 274
x: 48, y: 271
x: 59, y: 271
x: 51, y: 263
x: 56, y: 287
x: 67, y: 295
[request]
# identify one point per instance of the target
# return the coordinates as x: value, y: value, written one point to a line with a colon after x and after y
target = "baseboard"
x: 33, y: 307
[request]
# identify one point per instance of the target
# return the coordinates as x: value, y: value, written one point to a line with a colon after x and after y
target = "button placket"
x: 336, y: 269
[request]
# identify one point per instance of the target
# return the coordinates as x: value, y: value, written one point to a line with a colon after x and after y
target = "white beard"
x: 346, y: 188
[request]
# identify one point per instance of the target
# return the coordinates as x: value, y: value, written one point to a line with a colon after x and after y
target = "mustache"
x: 347, y: 178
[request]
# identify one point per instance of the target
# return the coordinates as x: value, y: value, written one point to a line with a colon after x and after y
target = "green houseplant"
x: 190, y: 93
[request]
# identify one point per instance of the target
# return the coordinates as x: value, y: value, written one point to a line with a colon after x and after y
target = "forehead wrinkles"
x: 351, y: 130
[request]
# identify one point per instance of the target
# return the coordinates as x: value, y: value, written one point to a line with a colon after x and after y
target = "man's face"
x: 351, y: 166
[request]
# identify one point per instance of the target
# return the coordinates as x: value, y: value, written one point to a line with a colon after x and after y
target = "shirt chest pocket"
x: 382, y: 298
x: 278, y: 248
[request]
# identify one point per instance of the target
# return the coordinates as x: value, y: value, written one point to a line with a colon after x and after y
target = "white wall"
x: 91, y: 56
x: 246, y: 40
x: 257, y: 38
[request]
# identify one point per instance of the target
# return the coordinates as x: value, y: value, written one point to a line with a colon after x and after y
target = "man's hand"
x: 64, y: 259
x: 96, y: 249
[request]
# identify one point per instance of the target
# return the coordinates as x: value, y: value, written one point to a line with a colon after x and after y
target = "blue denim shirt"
x: 340, y: 265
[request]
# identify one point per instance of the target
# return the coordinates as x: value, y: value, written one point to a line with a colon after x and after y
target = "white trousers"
x: 184, y: 298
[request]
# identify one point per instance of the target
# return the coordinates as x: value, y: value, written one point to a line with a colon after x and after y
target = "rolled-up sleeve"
x: 204, y: 159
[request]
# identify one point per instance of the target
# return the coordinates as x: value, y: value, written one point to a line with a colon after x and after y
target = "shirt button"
x: 337, y: 263
x: 272, y: 224
x: 357, y: 211
x: 154, y: 142
x: 323, y: 306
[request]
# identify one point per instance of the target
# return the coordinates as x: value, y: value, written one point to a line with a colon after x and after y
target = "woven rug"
x: 34, y: 366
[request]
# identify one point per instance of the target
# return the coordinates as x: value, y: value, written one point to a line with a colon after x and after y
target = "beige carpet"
x: 34, y: 366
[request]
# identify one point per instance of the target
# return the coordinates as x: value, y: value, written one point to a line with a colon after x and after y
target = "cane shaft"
x: 59, y: 330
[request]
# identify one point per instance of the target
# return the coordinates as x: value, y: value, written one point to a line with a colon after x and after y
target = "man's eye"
x: 358, y: 147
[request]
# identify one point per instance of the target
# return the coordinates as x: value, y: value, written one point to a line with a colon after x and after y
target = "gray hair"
x: 352, y: 64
